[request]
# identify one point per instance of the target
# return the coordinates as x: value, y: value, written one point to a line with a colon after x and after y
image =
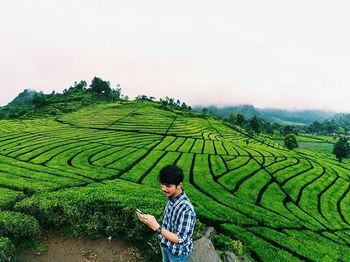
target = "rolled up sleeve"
x: 186, y: 225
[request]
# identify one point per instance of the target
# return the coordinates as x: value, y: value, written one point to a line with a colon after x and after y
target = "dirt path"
x: 65, y: 249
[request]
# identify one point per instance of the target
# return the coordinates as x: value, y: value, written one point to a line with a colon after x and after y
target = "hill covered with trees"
x: 279, y: 116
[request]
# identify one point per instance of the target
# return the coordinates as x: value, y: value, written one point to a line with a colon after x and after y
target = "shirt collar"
x: 177, y: 198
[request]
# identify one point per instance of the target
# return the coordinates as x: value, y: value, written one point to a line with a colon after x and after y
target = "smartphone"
x: 139, y: 211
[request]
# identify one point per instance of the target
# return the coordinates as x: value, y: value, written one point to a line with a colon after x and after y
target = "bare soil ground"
x: 66, y: 249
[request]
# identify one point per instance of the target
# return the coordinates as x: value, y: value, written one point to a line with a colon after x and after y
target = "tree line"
x: 256, y: 125
x: 78, y: 95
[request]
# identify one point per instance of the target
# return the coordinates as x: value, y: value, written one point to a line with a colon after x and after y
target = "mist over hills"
x: 281, y: 116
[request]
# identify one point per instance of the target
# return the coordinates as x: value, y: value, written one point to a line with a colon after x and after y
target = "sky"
x: 277, y: 54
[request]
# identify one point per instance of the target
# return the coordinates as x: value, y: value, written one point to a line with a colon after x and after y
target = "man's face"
x: 168, y: 189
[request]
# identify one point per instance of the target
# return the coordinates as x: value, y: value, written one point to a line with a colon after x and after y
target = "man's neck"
x: 177, y: 193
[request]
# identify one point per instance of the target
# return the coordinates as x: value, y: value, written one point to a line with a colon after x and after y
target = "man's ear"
x: 179, y: 185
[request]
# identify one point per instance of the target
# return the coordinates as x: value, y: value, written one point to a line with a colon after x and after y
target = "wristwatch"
x: 158, y: 230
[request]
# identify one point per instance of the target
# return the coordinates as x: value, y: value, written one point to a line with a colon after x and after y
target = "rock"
x: 204, y: 251
x: 228, y: 256
x: 210, y: 233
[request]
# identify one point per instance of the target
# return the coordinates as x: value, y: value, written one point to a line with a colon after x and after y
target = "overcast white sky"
x: 285, y: 54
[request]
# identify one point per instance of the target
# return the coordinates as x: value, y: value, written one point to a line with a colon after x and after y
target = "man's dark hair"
x: 171, y: 175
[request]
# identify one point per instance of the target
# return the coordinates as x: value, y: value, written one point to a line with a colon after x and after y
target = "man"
x: 175, y: 233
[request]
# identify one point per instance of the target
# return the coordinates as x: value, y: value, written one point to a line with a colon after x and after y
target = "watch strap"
x: 159, y: 230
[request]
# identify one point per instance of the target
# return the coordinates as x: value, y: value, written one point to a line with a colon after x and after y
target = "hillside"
x: 85, y: 172
x: 32, y: 104
x: 280, y: 116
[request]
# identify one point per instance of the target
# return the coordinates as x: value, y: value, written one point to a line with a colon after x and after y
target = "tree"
x: 116, y: 93
x: 232, y: 118
x: 330, y: 126
x: 101, y: 88
x: 163, y: 104
x: 79, y: 86
x: 39, y: 100
x: 240, y: 119
x: 142, y: 97
x: 268, y: 128
x: 341, y: 149
x: 184, y: 106
x: 288, y: 130
x: 290, y: 141
x: 315, y: 127
x: 255, y: 124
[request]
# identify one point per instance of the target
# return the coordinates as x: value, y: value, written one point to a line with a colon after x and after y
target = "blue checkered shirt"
x: 179, y: 218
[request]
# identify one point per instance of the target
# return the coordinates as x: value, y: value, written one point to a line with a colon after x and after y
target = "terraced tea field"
x: 283, y: 205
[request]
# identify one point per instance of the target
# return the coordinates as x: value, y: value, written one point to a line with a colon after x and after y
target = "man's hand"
x: 149, y: 220
x: 152, y: 223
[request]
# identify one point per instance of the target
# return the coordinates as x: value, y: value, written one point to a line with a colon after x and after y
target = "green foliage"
x: 237, y: 119
x: 39, y: 100
x: 30, y: 104
x: 7, y: 250
x: 78, y: 86
x: 341, y: 149
x: 24, y: 98
x: 290, y: 141
x: 97, y: 210
x: 101, y: 88
x: 9, y: 197
x: 255, y: 124
x: 288, y: 130
x: 116, y: 93
x: 18, y: 227
x: 225, y: 243
x: 168, y: 103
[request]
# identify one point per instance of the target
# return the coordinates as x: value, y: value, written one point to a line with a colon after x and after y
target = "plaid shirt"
x: 179, y: 218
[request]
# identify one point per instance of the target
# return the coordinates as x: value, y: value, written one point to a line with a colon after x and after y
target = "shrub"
x: 290, y: 141
x: 8, y: 198
x: 7, y: 250
x: 18, y: 227
x: 225, y: 243
x: 98, y: 210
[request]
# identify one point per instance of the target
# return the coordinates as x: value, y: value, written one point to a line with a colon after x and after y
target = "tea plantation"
x: 85, y: 173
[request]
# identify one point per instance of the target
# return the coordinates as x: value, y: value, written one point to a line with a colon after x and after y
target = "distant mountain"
x: 247, y: 110
x: 281, y: 116
x: 296, y: 116
x: 343, y: 120
x: 23, y: 98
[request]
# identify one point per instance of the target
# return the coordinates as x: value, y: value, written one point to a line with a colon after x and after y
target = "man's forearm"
x: 172, y: 237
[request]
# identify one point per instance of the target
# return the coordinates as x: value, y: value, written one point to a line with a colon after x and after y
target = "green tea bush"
x: 225, y: 243
x: 18, y: 227
x: 8, y: 198
x: 98, y: 210
x: 7, y: 250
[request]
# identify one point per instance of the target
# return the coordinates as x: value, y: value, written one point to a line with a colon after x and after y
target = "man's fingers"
x: 143, y: 218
